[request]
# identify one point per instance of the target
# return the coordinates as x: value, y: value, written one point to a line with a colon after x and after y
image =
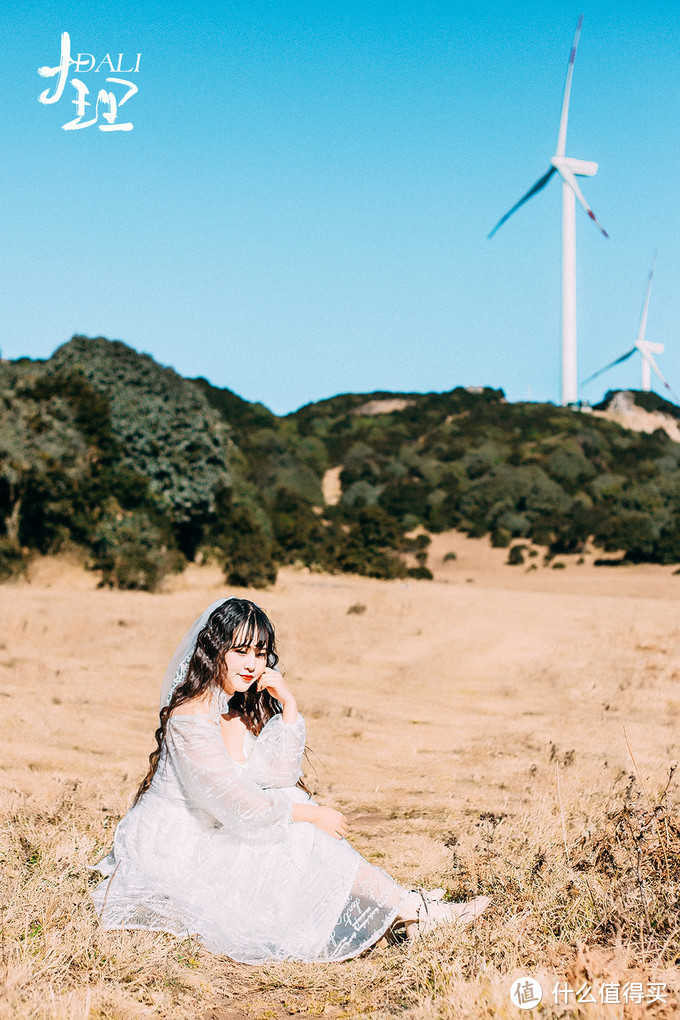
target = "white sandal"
x: 433, y: 912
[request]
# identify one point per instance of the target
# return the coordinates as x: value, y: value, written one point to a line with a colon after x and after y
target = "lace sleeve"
x: 276, y: 757
x: 210, y: 780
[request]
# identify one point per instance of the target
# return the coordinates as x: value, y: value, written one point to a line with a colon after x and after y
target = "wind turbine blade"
x: 568, y: 176
x: 645, y: 304
x: 538, y: 186
x: 610, y: 365
x: 655, y: 368
x: 562, y: 134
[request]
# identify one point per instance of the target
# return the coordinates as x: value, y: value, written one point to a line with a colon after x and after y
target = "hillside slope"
x: 104, y: 450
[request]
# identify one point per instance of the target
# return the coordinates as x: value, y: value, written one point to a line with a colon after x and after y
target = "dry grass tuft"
x: 621, y: 889
x: 631, y: 867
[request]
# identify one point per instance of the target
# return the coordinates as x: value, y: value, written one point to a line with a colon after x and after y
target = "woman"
x: 224, y: 841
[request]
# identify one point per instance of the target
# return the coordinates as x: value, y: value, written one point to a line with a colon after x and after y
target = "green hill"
x: 104, y: 450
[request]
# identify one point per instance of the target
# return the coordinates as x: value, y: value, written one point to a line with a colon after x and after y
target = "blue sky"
x: 301, y: 208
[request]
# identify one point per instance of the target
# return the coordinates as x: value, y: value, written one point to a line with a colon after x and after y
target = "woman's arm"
x: 211, y: 781
x: 326, y: 818
x: 276, y: 757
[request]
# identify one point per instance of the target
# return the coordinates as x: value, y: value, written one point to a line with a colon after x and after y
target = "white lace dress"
x: 211, y: 850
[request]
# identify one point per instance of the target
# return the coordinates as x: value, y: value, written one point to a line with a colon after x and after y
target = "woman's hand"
x: 331, y: 821
x: 272, y: 681
x: 325, y: 818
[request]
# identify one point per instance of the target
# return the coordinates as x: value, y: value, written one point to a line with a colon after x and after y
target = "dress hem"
x: 269, y: 959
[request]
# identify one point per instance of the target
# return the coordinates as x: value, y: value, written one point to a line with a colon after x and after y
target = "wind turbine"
x: 646, y: 348
x: 569, y: 169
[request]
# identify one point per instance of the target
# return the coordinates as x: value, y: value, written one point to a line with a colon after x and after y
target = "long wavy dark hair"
x: 235, y: 618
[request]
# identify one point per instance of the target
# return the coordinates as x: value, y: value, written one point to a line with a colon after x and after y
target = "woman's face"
x: 243, y: 666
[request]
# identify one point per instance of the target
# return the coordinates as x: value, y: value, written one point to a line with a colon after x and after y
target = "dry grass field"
x: 497, y: 730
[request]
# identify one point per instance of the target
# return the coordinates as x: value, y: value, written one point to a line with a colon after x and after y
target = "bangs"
x: 253, y: 632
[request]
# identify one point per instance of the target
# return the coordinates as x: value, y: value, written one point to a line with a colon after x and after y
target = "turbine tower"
x: 569, y: 169
x: 646, y: 348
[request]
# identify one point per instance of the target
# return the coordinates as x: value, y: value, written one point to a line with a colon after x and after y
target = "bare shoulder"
x: 194, y: 706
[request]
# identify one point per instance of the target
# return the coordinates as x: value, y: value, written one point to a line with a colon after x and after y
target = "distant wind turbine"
x: 645, y: 347
x: 568, y: 169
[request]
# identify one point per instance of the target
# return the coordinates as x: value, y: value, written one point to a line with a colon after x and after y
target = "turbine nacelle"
x: 569, y: 168
x: 646, y: 347
x: 577, y: 167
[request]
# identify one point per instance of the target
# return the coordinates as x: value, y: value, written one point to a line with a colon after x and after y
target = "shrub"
x: 297, y: 531
x: 633, y: 531
x: 246, y: 552
x: 484, y: 457
x: 371, y: 545
x: 523, y: 490
x: 421, y: 573
x: 12, y: 559
x: 360, y: 465
x: 516, y: 556
x: 133, y: 551
x: 517, y: 524
x: 403, y: 496
x: 569, y: 465
x: 361, y: 493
